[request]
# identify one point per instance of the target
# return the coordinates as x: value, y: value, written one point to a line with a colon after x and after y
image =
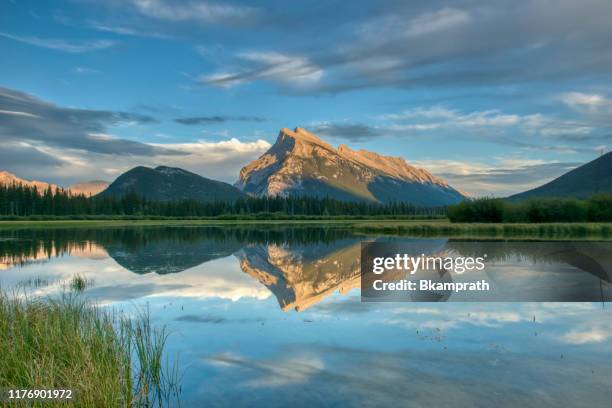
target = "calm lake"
x: 272, y: 316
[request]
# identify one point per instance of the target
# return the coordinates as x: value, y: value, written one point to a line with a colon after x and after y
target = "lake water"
x: 273, y: 316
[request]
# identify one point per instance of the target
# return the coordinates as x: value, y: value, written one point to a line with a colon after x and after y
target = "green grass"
x: 435, y: 227
x: 68, y: 343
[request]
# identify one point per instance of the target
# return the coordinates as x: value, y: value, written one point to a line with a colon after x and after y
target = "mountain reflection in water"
x: 302, y: 275
x: 301, y: 266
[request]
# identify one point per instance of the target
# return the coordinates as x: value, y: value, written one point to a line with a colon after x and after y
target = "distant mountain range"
x: 170, y: 183
x: 8, y: 179
x: 300, y: 163
x: 586, y: 180
x: 88, y: 188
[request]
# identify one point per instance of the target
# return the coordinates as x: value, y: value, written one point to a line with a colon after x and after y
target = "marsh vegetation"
x: 107, y: 359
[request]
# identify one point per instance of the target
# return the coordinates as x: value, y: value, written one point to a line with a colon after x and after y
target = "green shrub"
x: 600, y: 208
x: 479, y: 210
x: 542, y: 210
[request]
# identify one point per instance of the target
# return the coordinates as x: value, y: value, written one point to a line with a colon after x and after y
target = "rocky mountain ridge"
x: 300, y: 163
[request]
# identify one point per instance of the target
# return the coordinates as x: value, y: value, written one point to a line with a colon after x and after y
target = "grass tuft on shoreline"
x: 67, y: 343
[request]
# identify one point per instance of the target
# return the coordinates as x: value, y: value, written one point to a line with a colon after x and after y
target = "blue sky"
x: 496, y: 97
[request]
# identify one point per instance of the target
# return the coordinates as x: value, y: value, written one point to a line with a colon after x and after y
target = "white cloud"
x: 435, y: 117
x: 291, y: 70
x: 440, y: 20
x: 122, y: 30
x: 415, y: 126
x: 17, y: 113
x: 456, y: 118
x: 205, y: 12
x: 392, y: 27
x: 283, y: 67
x: 62, y: 45
x: 561, y: 130
x: 219, y: 150
x: 596, y: 107
x: 223, y: 79
x: 579, y: 99
x: 433, y: 112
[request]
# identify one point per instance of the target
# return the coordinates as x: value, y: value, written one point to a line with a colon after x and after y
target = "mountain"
x: 88, y: 188
x: 588, y: 179
x: 300, y: 163
x: 170, y: 183
x: 8, y: 179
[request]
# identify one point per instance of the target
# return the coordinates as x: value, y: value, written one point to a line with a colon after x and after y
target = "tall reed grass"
x: 107, y: 359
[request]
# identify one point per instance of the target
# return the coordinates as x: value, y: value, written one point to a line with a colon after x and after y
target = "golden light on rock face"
x: 87, y: 188
x: 301, y: 162
x: 8, y: 179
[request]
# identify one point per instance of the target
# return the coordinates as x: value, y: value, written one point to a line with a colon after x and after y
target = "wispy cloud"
x: 85, y: 70
x: 216, y: 119
x: 450, y: 116
x: 198, y: 11
x: 497, y: 124
x: 290, y: 70
x: 579, y: 99
x: 17, y: 113
x: 62, y: 45
x: 428, y: 22
x: 596, y: 107
x: 125, y: 30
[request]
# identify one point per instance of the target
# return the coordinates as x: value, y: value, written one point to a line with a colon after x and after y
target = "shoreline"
x: 425, y: 228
